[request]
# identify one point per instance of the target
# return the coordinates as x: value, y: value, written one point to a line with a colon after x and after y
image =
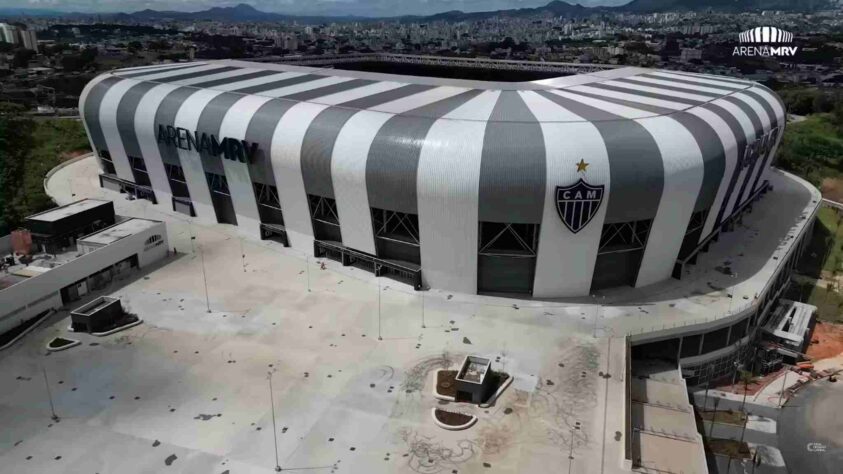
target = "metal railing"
x: 380, y: 267
x: 478, y: 63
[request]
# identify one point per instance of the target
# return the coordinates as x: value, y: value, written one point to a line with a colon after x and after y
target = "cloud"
x: 297, y: 7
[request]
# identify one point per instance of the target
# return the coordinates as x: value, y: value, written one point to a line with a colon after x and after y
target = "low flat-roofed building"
x: 57, y: 228
x: 50, y: 281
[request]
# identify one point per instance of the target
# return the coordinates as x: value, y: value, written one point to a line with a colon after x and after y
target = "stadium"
x: 618, y: 241
x: 555, y: 187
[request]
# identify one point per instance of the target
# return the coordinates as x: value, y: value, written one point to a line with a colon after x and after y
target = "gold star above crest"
x: 581, y: 166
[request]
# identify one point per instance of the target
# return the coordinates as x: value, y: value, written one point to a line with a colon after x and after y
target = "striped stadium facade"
x: 454, y: 181
x: 766, y: 34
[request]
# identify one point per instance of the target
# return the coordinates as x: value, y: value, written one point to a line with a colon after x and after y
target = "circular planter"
x: 452, y: 421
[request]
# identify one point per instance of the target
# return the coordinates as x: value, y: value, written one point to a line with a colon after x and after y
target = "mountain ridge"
x: 245, y: 12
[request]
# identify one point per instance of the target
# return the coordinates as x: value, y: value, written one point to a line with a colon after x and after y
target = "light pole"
x: 422, y: 296
x: 242, y: 254
x: 379, y: 309
x: 204, y: 279
x: 274, y: 428
x: 54, y: 417
x: 307, y: 269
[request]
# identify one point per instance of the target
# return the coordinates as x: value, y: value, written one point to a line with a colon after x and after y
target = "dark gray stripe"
x: 386, y: 96
x: 714, y: 78
x: 513, y: 168
x: 318, y: 144
x: 636, y: 168
x: 317, y: 148
x: 228, y: 80
x: 166, y: 116
x: 393, y: 160
x: 768, y: 109
x: 210, y: 121
x: 779, y: 123
x: 687, y: 90
x: 655, y: 109
x: 713, y: 155
x: 92, y: 110
x: 328, y: 90
x: 759, y: 131
x: 192, y: 75
x: 652, y: 95
x: 261, y: 129
x: 290, y: 81
x: 157, y: 70
x: 724, y: 88
x: 740, y: 138
x: 126, y: 117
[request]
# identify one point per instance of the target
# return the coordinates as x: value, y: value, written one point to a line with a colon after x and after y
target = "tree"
x: 15, y: 142
x: 135, y: 46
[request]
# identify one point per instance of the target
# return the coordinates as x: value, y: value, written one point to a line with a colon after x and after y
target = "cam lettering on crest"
x: 230, y: 148
x: 578, y: 203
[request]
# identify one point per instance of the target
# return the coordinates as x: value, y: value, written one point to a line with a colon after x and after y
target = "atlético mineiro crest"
x: 578, y: 203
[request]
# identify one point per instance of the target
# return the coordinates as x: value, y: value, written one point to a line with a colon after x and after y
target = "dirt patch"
x: 829, y: 337
x: 729, y: 417
x: 832, y: 188
x: 450, y: 418
x: 729, y: 447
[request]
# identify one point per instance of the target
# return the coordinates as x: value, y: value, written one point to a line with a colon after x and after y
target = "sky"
x: 296, y: 7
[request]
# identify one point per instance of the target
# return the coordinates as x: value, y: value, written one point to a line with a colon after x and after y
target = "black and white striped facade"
x: 458, y: 177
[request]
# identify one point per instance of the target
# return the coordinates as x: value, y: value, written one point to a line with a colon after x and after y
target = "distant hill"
x: 557, y: 8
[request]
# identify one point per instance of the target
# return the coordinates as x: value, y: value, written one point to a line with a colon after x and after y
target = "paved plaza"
x: 188, y: 390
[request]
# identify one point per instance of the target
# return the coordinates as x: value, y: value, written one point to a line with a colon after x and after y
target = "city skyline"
x: 366, y: 8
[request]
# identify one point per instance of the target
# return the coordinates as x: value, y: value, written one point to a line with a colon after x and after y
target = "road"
x: 810, y: 428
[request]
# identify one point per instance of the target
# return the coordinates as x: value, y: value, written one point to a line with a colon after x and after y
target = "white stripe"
x: 286, y: 164
x: 701, y: 80
x: 617, y: 109
x: 656, y: 90
x: 357, y: 93
x: 305, y: 86
x: 156, y: 66
x: 146, y: 131
x: 660, y: 82
x: 234, y: 125
x: 559, y: 248
x: 178, y: 72
x: 759, y: 163
x: 448, y: 195
x: 234, y: 86
x: 749, y: 135
x: 683, y: 175
x: 781, y: 116
x: 191, y: 162
x: 348, y: 172
x: 83, y: 97
x: 405, y: 104
x: 108, y: 122
x: 212, y: 77
x: 632, y: 98
x: 730, y: 147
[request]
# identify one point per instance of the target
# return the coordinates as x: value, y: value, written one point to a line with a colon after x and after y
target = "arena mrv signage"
x: 230, y: 148
x: 765, y: 41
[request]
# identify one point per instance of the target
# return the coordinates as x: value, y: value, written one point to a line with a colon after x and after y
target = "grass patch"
x: 829, y: 302
x: 729, y: 417
x: 825, y: 250
x: 813, y: 148
x: 730, y: 447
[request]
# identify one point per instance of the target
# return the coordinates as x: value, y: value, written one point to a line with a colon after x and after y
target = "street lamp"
x: 274, y: 428
x: 54, y: 417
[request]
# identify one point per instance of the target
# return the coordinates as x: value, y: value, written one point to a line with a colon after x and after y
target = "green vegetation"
x: 829, y: 301
x: 813, y: 148
x: 28, y: 150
